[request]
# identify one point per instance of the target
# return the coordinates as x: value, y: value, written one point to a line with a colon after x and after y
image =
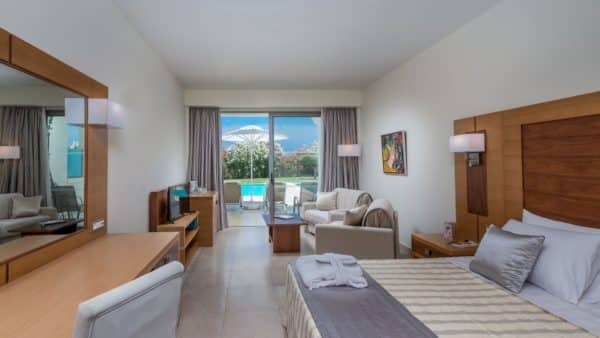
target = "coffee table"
x: 66, y: 227
x: 284, y: 233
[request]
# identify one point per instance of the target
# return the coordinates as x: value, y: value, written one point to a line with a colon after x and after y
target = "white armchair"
x: 147, y: 307
x: 375, y: 238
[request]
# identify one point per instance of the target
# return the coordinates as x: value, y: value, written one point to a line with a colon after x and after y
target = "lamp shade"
x: 105, y: 112
x: 100, y: 112
x: 348, y: 150
x: 75, y: 111
x: 10, y: 152
x: 467, y: 143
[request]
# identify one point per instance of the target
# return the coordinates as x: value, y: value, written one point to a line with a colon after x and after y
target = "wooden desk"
x: 44, y: 302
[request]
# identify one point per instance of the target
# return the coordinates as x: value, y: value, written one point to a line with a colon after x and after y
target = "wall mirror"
x: 42, y: 162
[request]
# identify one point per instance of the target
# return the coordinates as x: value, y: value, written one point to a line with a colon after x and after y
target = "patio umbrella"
x: 251, y: 135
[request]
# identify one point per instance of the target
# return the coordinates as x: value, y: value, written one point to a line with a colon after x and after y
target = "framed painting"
x: 393, y: 153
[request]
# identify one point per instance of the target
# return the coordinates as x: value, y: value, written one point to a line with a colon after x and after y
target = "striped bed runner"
x: 454, y: 302
x: 451, y: 301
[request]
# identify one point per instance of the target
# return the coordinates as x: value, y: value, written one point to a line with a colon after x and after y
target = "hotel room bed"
x: 454, y: 302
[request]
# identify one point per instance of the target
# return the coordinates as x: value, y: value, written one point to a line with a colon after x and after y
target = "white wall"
x: 94, y: 37
x: 520, y: 52
x: 258, y: 99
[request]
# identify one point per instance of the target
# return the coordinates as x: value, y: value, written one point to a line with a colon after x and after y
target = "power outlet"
x: 98, y: 224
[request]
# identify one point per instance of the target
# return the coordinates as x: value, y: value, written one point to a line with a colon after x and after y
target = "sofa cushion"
x: 349, y: 198
x: 315, y: 216
x: 6, y: 204
x: 337, y: 215
x: 26, y: 206
x: 327, y: 201
x: 15, y: 223
x: 355, y: 216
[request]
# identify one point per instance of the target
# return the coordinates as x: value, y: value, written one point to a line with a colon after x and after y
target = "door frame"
x: 272, y: 117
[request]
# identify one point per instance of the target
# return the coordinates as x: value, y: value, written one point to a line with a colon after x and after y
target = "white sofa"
x: 7, y: 223
x: 346, y: 199
x: 376, y: 238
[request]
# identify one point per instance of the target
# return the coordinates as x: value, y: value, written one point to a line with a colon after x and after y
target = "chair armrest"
x: 49, y: 211
x: 360, y: 242
x: 307, y: 206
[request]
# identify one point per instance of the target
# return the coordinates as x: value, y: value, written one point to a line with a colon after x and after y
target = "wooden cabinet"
x: 434, y: 245
x: 187, y: 234
x: 207, y: 205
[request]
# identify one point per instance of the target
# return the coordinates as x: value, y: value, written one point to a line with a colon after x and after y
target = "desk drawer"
x: 420, y: 250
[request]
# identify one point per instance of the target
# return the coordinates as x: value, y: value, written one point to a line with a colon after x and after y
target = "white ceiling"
x: 292, y: 44
x: 10, y: 77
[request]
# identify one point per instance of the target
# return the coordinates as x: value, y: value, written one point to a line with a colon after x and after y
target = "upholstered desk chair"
x: 147, y: 307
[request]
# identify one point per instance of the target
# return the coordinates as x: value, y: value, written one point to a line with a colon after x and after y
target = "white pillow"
x: 592, y: 294
x: 568, y: 263
x: 531, y: 218
x: 327, y: 201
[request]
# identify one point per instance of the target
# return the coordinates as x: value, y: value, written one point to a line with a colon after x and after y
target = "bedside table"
x: 434, y: 245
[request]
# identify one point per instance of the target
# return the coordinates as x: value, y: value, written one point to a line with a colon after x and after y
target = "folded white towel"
x: 330, y: 270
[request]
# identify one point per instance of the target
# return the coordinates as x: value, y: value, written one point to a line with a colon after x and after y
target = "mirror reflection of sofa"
x: 7, y: 223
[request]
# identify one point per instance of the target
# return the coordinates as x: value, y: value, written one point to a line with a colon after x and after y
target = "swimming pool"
x: 254, y: 189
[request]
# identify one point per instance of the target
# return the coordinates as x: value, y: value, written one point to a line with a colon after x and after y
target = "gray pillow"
x: 26, y: 206
x: 506, y: 258
x: 354, y: 216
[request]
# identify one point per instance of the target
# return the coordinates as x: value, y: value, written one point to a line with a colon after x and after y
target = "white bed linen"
x: 583, y: 315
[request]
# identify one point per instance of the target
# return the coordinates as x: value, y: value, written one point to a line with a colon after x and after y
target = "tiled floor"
x: 237, y: 217
x: 234, y: 289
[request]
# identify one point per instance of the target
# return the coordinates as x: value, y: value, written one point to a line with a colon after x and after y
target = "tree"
x: 237, y: 160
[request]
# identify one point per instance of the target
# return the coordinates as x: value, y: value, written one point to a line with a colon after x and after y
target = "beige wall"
x: 94, y: 37
x: 518, y: 53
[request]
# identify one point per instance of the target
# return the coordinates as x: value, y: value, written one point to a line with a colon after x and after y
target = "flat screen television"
x: 174, y: 194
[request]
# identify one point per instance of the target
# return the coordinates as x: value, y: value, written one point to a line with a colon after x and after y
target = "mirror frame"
x: 18, y: 54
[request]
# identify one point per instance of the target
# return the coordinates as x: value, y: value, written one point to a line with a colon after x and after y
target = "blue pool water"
x: 256, y: 189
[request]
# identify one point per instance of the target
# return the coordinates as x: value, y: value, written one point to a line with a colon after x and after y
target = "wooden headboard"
x: 561, y: 169
x: 544, y: 157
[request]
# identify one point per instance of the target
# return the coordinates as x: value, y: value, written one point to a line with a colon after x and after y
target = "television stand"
x: 187, y: 237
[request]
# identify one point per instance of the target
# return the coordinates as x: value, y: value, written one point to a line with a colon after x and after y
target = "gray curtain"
x: 204, y: 159
x: 339, y: 127
x: 24, y: 127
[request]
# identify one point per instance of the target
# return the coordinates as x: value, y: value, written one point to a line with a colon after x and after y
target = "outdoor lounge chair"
x: 232, y: 193
x: 308, y: 193
x: 279, y: 195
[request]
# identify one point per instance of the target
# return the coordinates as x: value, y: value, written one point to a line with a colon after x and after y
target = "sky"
x: 300, y: 131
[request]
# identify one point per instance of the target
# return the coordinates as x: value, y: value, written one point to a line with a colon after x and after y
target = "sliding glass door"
x: 294, y: 160
x: 270, y: 160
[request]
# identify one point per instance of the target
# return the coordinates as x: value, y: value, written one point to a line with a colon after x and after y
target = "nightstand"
x: 434, y: 245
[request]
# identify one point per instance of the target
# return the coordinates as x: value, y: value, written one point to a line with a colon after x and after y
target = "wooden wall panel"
x: 34, y: 61
x: 96, y: 178
x: 514, y: 119
x: 561, y: 169
x: 491, y: 124
x: 4, y: 46
x: 504, y: 161
x: 466, y: 223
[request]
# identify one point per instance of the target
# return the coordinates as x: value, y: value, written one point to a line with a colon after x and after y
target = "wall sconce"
x: 348, y: 150
x: 100, y: 112
x: 10, y: 152
x: 470, y: 144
